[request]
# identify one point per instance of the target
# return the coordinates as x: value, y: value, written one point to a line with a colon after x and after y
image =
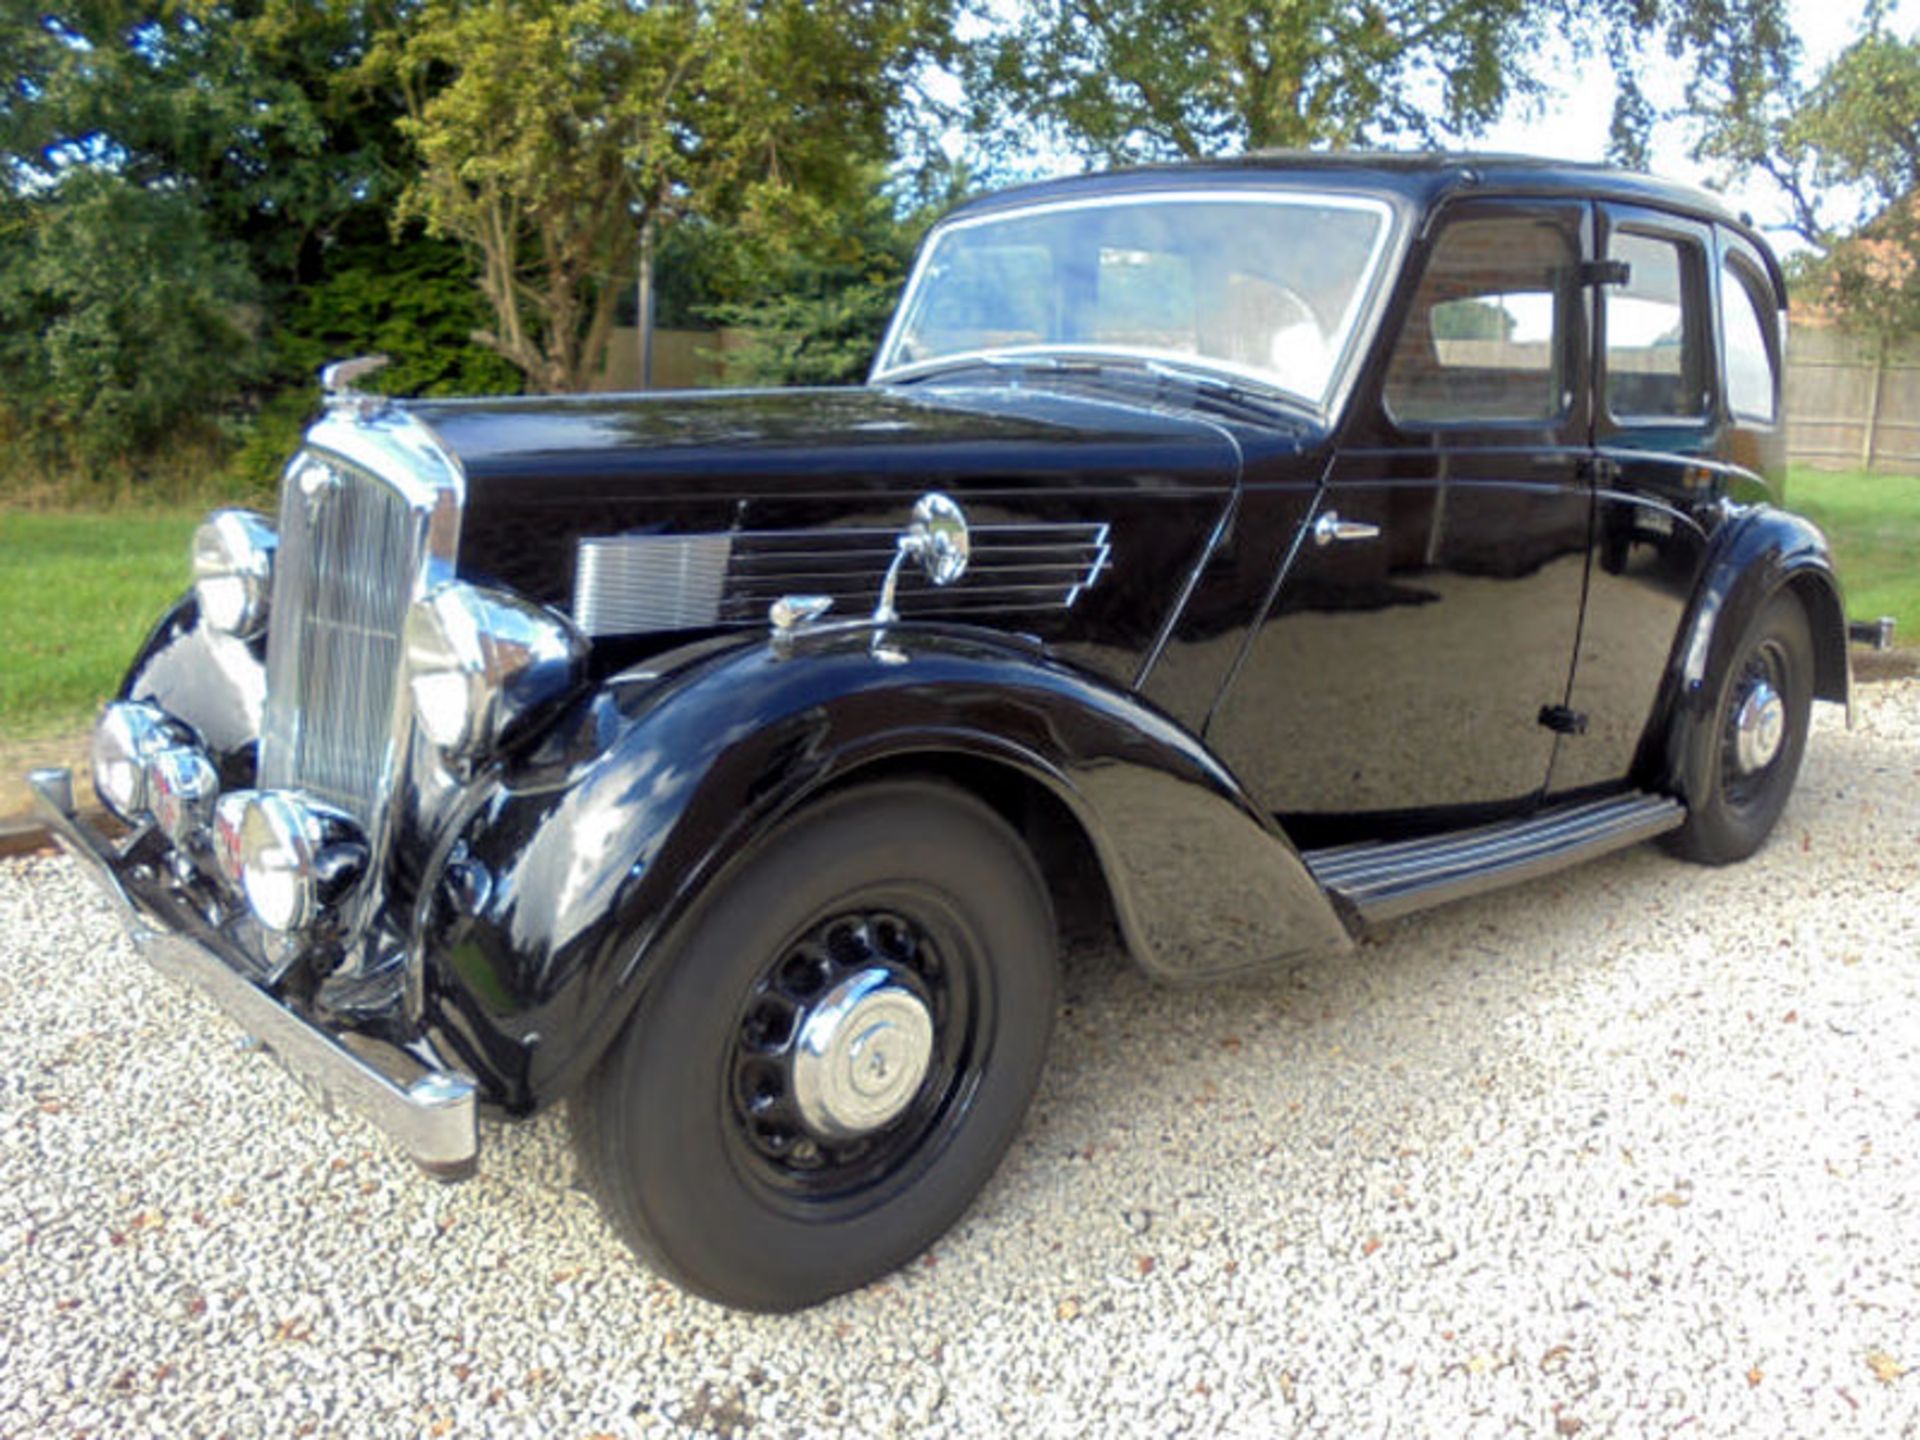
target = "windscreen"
x: 1268, y: 286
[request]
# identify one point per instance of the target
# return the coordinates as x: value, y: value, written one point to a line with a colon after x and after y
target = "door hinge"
x: 1604, y: 272
x: 1563, y: 720
x: 1600, y: 470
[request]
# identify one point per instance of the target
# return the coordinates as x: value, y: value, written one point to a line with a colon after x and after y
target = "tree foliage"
x: 550, y: 134
x: 1146, y: 80
x: 171, y: 174
x: 241, y: 108
x: 1844, y: 153
x: 815, y: 313
x: 121, y: 313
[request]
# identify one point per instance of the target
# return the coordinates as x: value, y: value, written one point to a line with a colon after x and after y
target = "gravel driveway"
x: 1629, y: 1151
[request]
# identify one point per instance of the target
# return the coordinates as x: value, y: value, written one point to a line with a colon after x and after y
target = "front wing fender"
x: 560, y: 888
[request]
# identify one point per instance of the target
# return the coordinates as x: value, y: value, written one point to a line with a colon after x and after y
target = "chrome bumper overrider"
x: 433, y: 1118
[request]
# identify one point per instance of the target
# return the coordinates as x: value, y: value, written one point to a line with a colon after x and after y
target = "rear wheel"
x: 838, y: 1051
x: 1739, y: 764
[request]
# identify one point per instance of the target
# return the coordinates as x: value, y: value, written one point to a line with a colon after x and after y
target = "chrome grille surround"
x: 333, y: 658
x: 369, y: 523
x: 636, y: 584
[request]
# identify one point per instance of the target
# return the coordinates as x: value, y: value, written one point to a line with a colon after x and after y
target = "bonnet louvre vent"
x: 632, y: 584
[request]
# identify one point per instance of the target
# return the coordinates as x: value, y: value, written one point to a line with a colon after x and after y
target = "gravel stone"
x: 1626, y: 1151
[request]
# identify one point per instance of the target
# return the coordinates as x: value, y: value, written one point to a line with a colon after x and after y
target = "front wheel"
x: 1739, y: 763
x: 835, y: 1054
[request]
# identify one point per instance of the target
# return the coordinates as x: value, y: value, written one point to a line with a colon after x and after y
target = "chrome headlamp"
x: 130, y: 734
x: 481, y: 662
x: 292, y: 858
x: 233, y: 571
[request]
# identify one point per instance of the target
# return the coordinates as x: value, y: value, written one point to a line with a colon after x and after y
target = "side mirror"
x: 939, y: 536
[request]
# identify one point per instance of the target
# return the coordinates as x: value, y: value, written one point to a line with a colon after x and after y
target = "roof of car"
x: 1421, y: 176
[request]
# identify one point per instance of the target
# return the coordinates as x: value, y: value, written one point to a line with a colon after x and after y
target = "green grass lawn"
x: 78, y: 592
x: 1874, y: 524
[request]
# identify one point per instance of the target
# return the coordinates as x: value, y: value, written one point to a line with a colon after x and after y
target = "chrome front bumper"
x: 433, y: 1117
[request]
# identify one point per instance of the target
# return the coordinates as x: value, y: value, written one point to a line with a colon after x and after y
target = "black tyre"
x: 1739, y: 764
x: 838, y: 1050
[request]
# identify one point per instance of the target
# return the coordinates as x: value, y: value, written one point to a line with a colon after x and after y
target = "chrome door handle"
x: 1330, y: 527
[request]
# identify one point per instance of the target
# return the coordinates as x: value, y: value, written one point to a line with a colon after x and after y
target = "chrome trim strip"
x: 433, y: 1117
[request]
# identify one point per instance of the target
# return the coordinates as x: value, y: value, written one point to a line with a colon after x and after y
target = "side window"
x: 1655, y: 362
x: 1485, y: 337
x: 1745, y: 322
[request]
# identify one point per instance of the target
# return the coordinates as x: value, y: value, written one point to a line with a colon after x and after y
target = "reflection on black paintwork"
x: 1646, y: 561
x: 1408, y: 671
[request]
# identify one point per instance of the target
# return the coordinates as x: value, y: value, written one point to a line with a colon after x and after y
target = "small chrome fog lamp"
x: 480, y: 662
x: 293, y: 858
x: 233, y: 571
x: 129, y: 735
x: 182, y: 787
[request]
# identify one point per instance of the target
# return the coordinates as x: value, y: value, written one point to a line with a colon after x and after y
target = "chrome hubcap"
x: 862, y: 1054
x: 1759, y: 725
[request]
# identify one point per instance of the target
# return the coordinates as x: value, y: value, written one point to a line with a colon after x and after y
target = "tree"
x: 123, y: 319
x: 1844, y: 153
x: 551, y: 134
x: 815, y: 313
x: 1144, y: 80
x: 240, y: 108
x: 172, y: 174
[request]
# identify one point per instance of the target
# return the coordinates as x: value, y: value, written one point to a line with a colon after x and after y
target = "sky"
x: 1573, y: 126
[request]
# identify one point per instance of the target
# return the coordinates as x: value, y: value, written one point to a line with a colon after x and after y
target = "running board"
x: 1385, y: 880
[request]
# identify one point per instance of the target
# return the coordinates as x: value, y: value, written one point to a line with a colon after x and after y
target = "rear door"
x: 1430, y: 619
x: 1659, y: 424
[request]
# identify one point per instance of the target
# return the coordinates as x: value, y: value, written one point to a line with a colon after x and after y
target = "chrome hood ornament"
x: 337, y: 380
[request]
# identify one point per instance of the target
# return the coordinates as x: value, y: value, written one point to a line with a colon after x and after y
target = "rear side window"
x: 1484, y: 339
x: 1655, y: 362
x: 1745, y: 322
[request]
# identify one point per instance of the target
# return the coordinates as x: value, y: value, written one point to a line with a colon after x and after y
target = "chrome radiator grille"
x: 350, y: 549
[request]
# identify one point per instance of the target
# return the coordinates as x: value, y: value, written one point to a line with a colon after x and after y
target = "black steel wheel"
x: 837, y: 1050
x: 1739, y: 761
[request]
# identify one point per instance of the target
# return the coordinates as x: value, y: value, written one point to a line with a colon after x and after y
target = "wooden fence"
x: 682, y: 359
x: 1853, y: 402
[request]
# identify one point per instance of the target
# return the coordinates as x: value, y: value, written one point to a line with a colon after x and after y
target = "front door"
x: 1424, y: 634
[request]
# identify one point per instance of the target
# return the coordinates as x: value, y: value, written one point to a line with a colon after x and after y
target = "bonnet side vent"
x: 633, y: 584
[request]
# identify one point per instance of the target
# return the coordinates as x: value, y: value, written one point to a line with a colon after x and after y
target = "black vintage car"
x: 1238, y: 555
